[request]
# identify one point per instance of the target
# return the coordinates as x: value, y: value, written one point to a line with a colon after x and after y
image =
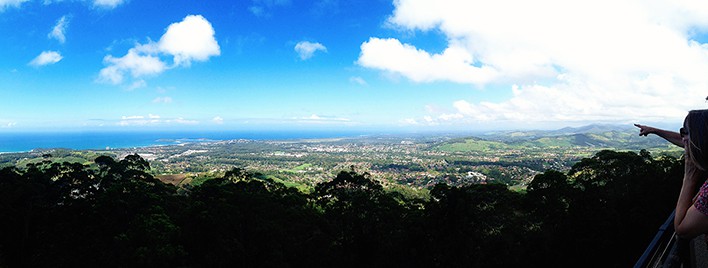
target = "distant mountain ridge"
x: 601, y: 136
x: 593, y: 128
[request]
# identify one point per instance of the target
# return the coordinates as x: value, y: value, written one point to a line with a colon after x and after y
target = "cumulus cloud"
x: 108, y: 4
x: 218, y: 120
x: 59, y: 30
x: 192, y: 39
x: 10, y: 3
x: 46, y: 58
x: 307, y: 49
x: 596, y: 60
x: 135, y: 63
x: 454, y: 64
x: 188, y: 40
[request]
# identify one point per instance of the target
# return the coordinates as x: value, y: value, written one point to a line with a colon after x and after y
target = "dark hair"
x: 697, y: 124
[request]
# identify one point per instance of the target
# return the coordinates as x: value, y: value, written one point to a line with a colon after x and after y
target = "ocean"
x: 22, y: 142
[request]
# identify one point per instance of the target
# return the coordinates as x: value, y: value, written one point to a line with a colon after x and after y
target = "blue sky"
x: 348, y: 65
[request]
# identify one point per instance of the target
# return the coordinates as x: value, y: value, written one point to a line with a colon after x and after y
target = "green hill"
x: 592, y: 137
x: 471, y: 144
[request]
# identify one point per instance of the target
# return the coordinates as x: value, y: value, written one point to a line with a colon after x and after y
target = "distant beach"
x: 23, y: 142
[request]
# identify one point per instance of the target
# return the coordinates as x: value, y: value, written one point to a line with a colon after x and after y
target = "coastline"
x: 31, y: 141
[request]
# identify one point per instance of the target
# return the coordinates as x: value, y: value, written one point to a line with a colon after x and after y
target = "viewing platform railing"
x: 667, y: 250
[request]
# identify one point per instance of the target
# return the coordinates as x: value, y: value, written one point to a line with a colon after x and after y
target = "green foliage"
x: 474, y: 226
x: 71, y: 215
x: 199, y: 180
x: 472, y: 145
x: 302, y: 167
x: 409, y: 193
x: 617, y: 199
x: 599, y: 138
x: 250, y: 220
x: 114, y: 213
x: 289, y: 183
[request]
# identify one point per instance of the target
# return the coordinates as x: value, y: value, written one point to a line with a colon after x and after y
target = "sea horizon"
x: 28, y: 140
x: 16, y: 142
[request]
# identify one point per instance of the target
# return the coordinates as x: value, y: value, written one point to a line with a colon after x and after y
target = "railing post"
x: 660, y: 249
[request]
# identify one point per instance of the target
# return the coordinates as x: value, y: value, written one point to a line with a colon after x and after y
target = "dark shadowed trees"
x: 602, y: 212
x: 368, y: 226
x: 247, y: 220
x: 474, y: 225
x: 70, y: 215
x: 611, y: 203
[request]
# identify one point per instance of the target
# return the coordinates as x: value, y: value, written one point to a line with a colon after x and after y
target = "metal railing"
x: 666, y: 250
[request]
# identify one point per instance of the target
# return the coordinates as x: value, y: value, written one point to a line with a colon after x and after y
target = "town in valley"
x: 413, y: 161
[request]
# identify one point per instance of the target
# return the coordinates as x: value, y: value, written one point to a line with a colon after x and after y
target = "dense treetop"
x: 604, y: 211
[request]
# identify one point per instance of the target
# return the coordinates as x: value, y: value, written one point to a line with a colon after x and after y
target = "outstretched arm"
x: 673, y: 137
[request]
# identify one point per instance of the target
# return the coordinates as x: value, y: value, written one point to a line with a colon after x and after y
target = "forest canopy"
x: 114, y: 213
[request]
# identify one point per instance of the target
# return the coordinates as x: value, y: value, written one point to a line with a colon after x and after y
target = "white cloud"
x: 10, y: 3
x: 449, y: 117
x: 162, y: 100
x: 192, y: 39
x: 218, y: 120
x: 132, y: 117
x: 139, y: 122
x: 151, y: 119
x: 137, y: 84
x: 307, y: 49
x: 593, y: 60
x: 317, y: 119
x: 454, y: 64
x: 260, y: 7
x: 107, y: 3
x: 59, y: 30
x: 257, y: 10
x: 134, y: 62
x: 409, y: 121
x: 46, y: 58
x: 8, y: 125
x: 358, y: 80
x: 183, y: 121
x: 104, y: 4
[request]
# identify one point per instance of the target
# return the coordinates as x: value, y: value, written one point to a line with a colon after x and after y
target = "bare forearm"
x: 692, y: 178
x: 672, y: 137
x: 685, y: 200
